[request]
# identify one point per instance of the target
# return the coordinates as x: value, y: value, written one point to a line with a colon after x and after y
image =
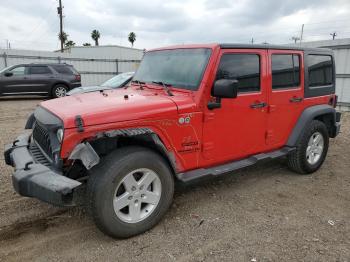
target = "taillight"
x: 333, y: 101
x: 77, y: 77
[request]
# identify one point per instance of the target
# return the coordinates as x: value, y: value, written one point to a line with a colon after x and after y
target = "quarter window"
x: 320, y: 70
x: 62, y: 69
x: 285, y: 71
x: 34, y: 70
x: 242, y: 67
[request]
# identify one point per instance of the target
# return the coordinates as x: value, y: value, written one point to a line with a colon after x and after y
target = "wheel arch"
x: 59, y: 82
x: 105, y: 142
x: 323, y: 113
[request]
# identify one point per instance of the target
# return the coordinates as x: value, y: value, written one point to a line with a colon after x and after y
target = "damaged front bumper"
x: 33, y: 179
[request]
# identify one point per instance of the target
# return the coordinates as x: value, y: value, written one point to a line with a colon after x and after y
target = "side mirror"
x: 223, y: 88
x: 8, y: 74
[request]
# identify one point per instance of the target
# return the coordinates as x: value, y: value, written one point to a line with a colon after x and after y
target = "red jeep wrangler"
x: 191, y: 111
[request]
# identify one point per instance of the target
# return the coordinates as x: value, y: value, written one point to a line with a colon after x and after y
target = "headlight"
x: 59, y: 135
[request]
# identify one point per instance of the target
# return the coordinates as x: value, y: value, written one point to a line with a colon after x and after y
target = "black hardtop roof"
x: 279, y: 47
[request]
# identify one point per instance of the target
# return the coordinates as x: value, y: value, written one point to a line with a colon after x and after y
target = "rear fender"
x: 309, y: 114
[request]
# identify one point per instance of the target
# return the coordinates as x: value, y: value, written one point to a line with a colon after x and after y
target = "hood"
x: 111, y: 106
x: 86, y: 89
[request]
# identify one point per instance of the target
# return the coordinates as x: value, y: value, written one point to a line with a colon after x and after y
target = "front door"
x: 238, y: 128
x: 14, y: 80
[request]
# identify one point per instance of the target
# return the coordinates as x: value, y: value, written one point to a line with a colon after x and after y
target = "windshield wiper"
x: 165, y: 86
x: 138, y: 82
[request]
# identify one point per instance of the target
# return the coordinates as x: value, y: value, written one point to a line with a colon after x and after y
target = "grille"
x: 38, y: 155
x: 42, y: 137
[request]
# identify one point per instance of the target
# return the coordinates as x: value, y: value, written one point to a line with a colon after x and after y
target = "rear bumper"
x: 337, y: 125
x: 32, y: 179
x: 75, y: 84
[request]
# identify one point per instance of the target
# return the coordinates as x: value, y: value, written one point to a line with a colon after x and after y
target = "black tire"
x: 54, y: 93
x: 105, y: 178
x: 297, y: 160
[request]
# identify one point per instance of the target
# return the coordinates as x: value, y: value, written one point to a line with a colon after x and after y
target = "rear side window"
x: 35, y: 70
x: 320, y: 70
x: 285, y: 71
x: 242, y: 67
x: 66, y: 70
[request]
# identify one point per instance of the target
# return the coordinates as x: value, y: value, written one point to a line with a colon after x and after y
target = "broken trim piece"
x: 85, y: 153
x: 126, y: 132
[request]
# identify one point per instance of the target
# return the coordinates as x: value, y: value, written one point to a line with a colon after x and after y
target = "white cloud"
x: 33, y: 24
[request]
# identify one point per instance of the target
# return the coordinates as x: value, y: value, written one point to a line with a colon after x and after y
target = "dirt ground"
x: 262, y: 213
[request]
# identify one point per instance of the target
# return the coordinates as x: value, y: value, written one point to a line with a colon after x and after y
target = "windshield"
x: 182, y: 68
x: 5, y: 69
x: 118, y: 80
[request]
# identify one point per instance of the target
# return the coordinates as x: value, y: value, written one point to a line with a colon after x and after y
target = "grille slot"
x: 42, y: 137
x: 38, y: 155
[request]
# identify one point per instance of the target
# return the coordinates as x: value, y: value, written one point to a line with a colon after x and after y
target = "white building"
x: 341, y: 48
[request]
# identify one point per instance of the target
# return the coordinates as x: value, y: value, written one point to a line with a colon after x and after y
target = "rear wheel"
x: 130, y: 191
x: 59, y: 90
x: 311, y: 149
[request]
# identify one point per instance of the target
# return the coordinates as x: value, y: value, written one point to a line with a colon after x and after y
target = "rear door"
x: 286, y: 94
x: 40, y: 77
x: 238, y: 128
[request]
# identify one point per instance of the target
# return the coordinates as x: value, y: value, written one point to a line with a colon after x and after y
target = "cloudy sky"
x: 34, y: 24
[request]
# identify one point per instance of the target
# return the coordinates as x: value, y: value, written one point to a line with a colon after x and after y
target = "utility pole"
x: 301, y: 34
x: 60, y: 13
x: 334, y: 34
x: 252, y: 41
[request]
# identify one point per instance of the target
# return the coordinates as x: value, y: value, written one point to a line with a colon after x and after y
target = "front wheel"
x: 311, y: 149
x: 130, y: 191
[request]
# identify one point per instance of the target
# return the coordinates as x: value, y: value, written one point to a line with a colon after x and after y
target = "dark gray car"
x: 115, y: 82
x: 54, y: 80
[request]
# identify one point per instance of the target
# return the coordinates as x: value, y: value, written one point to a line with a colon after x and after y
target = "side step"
x: 232, y: 166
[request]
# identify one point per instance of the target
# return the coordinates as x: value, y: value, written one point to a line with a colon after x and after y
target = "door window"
x: 18, y: 71
x: 242, y: 67
x: 39, y: 70
x: 285, y: 71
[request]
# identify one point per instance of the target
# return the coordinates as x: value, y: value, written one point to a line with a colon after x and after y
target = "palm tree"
x: 132, y: 38
x: 63, y: 37
x: 69, y: 44
x: 86, y: 44
x: 95, y: 35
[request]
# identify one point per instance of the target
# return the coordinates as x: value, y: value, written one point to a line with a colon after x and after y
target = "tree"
x: 95, y: 35
x: 132, y: 38
x: 86, y: 44
x: 63, y: 37
x: 69, y: 44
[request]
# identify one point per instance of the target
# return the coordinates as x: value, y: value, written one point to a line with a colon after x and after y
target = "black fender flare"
x: 306, y: 117
x: 30, y: 121
x: 144, y: 132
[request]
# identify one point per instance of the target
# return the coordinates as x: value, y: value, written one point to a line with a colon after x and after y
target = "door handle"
x: 258, y: 105
x: 295, y: 99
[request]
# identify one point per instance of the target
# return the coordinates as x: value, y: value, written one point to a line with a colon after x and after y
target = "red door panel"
x: 238, y: 128
x: 285, y: 103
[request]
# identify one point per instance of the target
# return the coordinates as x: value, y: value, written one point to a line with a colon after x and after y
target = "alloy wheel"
x: 315, y: 148
x: 137, y: 195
